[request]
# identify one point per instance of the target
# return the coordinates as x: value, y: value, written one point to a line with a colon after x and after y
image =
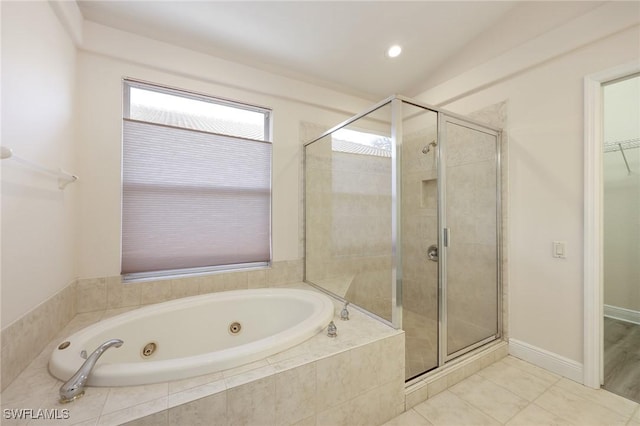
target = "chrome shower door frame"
x: 443, y: 117
x: 443, y: 243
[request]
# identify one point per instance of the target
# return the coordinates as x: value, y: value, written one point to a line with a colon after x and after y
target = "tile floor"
x: 515, y: 393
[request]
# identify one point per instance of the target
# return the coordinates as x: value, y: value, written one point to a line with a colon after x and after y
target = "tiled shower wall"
x: 348, y: 232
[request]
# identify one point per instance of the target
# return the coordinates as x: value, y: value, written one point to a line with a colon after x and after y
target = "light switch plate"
x: 559, y: 249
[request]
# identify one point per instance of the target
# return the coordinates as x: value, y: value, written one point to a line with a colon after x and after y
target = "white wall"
x: 38, y: 219
x: 543, y: 83
x: 108, y: 55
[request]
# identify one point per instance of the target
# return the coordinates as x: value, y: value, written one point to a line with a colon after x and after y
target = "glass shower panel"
x: 348, y: 204
x: 471, y: 191
x: 419, y: 227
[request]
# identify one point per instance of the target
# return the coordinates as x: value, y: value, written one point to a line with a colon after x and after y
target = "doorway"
x: 621, y: 237
x: 593, y: 356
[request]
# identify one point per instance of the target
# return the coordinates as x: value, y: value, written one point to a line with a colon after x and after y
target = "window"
x: 196, y: 183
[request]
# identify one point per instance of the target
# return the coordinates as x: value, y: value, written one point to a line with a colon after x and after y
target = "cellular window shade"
x: 192, y: 199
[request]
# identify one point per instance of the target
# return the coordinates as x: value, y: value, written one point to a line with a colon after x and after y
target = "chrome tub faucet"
x: 74, y: 387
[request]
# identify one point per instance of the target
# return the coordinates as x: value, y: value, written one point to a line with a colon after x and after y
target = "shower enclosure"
x: 402, y: 219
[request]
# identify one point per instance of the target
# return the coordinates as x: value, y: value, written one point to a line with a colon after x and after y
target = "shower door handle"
x: 432, y: 253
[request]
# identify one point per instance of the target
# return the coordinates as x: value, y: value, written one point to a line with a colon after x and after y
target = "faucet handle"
x: 344, y: 314
x: 332, y: 330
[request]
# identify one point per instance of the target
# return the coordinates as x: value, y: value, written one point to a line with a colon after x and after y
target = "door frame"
x: 443, y: 351
x: 593, y: 352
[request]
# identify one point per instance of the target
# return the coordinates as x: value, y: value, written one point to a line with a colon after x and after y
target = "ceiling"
x: 341, y: 45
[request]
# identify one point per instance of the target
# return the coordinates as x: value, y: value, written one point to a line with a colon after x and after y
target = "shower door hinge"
x: 446, y: 236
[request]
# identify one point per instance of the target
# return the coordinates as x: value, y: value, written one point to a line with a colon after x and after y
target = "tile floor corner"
x: 515, y: 393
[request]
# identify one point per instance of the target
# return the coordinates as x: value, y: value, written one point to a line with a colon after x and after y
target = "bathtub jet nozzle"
x: 74, y: 387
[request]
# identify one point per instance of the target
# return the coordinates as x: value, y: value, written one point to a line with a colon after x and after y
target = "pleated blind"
x: 192, y: 199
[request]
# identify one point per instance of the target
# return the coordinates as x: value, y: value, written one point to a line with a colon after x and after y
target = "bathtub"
x: 195, y: 335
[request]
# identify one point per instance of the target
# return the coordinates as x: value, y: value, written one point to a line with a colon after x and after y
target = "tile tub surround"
x: 324, y: 380
x: 98, y: 294
x: 25, y: 338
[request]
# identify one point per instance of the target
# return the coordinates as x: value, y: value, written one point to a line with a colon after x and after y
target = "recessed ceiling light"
x: 394, y: 51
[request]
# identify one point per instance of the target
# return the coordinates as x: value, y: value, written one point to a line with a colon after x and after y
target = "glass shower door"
x: 470, y: 236
x: 419, y: 228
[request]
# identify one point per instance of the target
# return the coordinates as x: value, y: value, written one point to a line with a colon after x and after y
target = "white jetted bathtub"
x: 195, y: 335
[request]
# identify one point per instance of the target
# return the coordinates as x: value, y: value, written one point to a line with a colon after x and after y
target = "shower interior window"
x: 196, y: 183
x: 359, y: 142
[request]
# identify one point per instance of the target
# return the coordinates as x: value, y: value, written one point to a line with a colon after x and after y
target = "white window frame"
x: 127, y: 84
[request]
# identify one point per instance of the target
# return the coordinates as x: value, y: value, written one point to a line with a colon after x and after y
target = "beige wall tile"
x: 23, y: 340
x: 257, y: 279
x: 472, y: 367
x: 419, y: 393
x: 368, y: 410
x: 156, y: 419
x: 392, y: 399
x: 154, y: 291
x: 337, y: 415
x: 91, y: 295
x: 211, y: 410
x: 211, y: 284
x: 437, y: 386
x: 392, y: 358
x: 333, y: 380
x: 295, y: 394
x: 156, y: 409
x: 185, y: 287
x: 284, y: 272
x: 252, y: 403
x: 455, y: 375
x: 120, y: 294
x: 364, y: 361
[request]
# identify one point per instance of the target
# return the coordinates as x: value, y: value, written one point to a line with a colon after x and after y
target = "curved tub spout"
x: 74, y: 387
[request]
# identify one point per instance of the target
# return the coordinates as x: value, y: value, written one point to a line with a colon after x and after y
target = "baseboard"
x: 547, y: 360
x: 622, y: 314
